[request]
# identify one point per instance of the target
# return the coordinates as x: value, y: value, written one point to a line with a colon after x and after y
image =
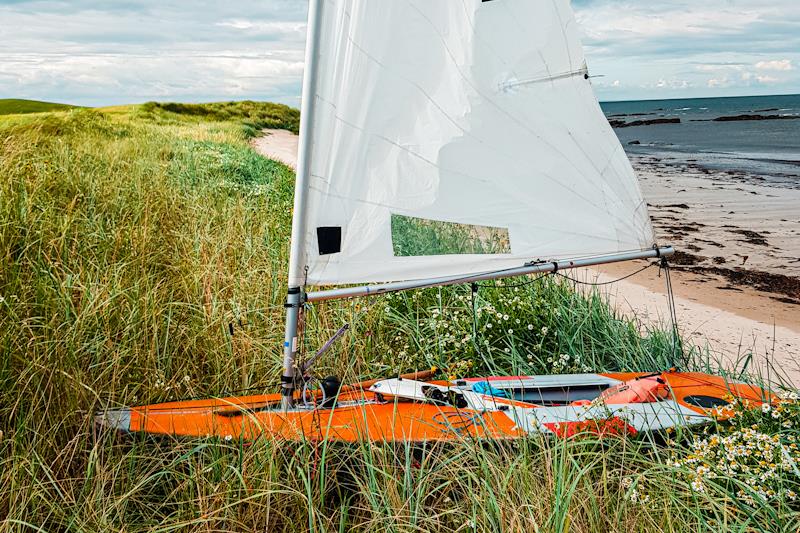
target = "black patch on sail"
x: 329, y: 240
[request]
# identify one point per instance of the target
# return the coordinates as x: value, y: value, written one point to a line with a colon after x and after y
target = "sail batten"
x: 519, y: 83
x: 452, y: 138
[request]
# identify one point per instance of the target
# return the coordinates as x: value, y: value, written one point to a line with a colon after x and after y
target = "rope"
x: 677, y: 346
x: 603, y: 284
x: 579, y: 282
x: 475, y: 343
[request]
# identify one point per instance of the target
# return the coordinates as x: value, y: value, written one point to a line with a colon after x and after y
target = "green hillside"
x: 143, y: 258
x: 13, y: 106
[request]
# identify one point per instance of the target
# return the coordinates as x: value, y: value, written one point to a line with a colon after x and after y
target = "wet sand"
x: 733, y: 233
x: 726, y: 221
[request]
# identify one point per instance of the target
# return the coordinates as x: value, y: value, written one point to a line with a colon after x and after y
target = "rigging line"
x: 602, y: 284
x: 359, y: 311
x: 475, y: 287
x: 677, y: 346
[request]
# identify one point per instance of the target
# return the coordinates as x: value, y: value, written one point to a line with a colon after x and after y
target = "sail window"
x: 419, y: 237
x: 329, y: 240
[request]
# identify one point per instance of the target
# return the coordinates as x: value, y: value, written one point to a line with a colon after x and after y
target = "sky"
x: 127, y: 51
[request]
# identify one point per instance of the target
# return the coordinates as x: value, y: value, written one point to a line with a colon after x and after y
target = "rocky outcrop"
x: 648, y: 122
x: 735, y: 118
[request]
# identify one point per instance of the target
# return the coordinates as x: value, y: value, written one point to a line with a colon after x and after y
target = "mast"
x: 294, y: 299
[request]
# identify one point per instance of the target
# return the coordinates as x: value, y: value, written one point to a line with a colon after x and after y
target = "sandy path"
x: 729, y: 323
x: 280, y: 145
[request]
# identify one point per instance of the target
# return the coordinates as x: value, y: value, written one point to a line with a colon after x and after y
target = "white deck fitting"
x: 413, y: 390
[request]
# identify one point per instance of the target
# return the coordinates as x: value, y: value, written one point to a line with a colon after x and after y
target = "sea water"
x: 765, y: 148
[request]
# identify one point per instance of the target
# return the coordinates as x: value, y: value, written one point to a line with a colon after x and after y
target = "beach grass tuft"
x: 143, y: 255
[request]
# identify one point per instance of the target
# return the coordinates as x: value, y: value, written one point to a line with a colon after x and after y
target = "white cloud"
x: 777, y: 64
x: 717, y: 83
x: 727, y: 75
x: 722, y: 45
x: 612, y: 21
x: 767, y: 80
x: 97, y: 53
x: 272, y: 27
x: 672, y: 84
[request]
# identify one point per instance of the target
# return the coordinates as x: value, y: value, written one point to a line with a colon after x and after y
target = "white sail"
x: 451, y: 137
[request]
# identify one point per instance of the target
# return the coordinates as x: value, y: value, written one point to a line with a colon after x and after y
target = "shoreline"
x: 712, y: 290
x: 728, y: 326
x: 717, y: 305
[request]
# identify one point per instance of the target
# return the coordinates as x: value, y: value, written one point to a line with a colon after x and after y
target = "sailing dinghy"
x: 448, y: 143
x: 410, y: 410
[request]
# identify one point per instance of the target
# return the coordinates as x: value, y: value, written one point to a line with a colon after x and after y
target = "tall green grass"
x: 143, y: 254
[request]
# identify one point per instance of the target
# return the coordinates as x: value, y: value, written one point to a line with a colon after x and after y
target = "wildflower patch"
x: 753, y: 452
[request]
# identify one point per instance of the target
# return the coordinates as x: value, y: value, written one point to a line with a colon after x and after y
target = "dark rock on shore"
x: 669, y: 206
x: 763, y: 281
x: 648, y: 122
x: 735, y: 118
x: 751, y: 237
x: 685, y: 259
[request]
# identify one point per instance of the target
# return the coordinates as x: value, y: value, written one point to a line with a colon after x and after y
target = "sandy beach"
x: 736, y: 277
x: 737, y: 273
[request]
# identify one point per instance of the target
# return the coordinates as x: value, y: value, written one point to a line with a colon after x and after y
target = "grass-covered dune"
x: 13, y: 106
x: 253, y: 116
x: 143, y: 256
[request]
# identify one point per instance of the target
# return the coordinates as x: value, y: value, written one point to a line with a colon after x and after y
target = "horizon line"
x: 627, y: 100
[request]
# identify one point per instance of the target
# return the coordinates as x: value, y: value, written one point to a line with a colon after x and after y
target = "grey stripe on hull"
x: 119, y: 419
x: 653, y: 416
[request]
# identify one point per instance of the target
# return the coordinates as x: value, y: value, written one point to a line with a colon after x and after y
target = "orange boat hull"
x: 362, y: 415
